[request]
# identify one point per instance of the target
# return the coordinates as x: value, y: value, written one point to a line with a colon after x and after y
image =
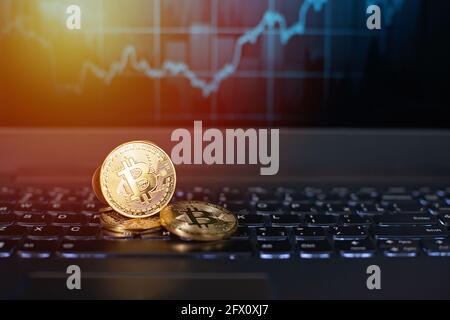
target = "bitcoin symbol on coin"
x: 140, y: 180
x: 137, y: 179
x: 197, y: 217
x: 199, y: 221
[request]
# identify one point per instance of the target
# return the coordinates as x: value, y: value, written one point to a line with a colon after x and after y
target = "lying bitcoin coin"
x: 200, y: 221
x: 109, y: 230
x: 96, y: 186
x: 116, y: 222
x: 137, y: 179
x: 118, y: 234
x: 105, y: 209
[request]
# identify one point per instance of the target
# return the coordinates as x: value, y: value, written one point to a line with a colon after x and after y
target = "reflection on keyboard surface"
x: 274, y: 223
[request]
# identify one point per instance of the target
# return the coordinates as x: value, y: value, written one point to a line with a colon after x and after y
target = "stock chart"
x: 287, y: 62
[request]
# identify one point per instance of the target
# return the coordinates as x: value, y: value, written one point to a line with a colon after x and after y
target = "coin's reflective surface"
x: 114, y: 221
x: 200, y: 221
x: 137, y: 179
x: 96, y: 186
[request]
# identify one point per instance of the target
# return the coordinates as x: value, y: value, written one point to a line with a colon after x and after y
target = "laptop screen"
x: 287, y: 63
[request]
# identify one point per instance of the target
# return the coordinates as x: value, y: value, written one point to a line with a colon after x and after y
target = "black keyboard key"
x: 199, y: 194
x: 32, y: 194
x: 320, y: 220
x: 355, y: 249
x: 237, y: 208
x: 430, y: 199
x: 7, y: 219
x: 444, y: 209
x: 232, y: 198
x: 104, y: 248
x: 407, y: 206
x: 92, y: 206
x: 445, y: 219
x: 262, y: 197
x: 437, y: 248
x: 366, y: 195
x: 369, y: 210
x: 274, y: 249
x: 89, y: 249
x: 241, y: 233
x: 271, y: 233
x: 67, y: 219
x: 313, y: 191
x: 310, y: 233
x: 405, y: 219
x: 232, y: 195
x: 63, y: 207
x: 27, y: 207
x: 410, y: 232
x: 32, y: 219
x: 285, y: 220
x: 250, y: 220
x: 7, y: 248
x: 36, y: 249
x: 94, y: 220
x: 7, y: 194
x: 231, y: 249
x: 333, y: 198
x: 397, y: 191
x: 391, y: 197
x: 82, y: 232
x: 348, y: 232
x: 337, y: 209
x: 5, y: 208
x: 354, y: 219
x: 314, y: 249
x: 13, y: 232
x: 301, y: 208
x: 268, y: 208
x: 399, y: 248
x: 297, y: 197
x: 45, y: 232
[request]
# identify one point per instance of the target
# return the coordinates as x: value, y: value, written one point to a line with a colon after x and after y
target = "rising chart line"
x: 271, y: 21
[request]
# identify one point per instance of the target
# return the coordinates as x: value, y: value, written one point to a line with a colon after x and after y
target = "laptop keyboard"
x: 274, y: 223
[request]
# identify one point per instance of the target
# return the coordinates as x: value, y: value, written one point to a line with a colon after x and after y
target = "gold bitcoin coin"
x: 116, y: 222
x: 96, y: 186
x: 200, y: 221
x: 106, y: 209
x: 123, y: 232
x: 137, y: 179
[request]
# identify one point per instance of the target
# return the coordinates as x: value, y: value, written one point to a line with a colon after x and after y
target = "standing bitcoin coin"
x: 96, y: 186
x: 196, y: 220
x: 137, y: 179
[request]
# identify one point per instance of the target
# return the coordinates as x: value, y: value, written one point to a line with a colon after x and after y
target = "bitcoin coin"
x: 200, y: 221
x: 116, y: 222
x: 96, y: 186
x: 106, y: 209
x: 118, y: 234
x: 137, y: 179
x: 123, y: 232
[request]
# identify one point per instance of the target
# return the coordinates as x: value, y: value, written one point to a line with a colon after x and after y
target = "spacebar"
x: 409, y: 232
x: 103, y: 248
